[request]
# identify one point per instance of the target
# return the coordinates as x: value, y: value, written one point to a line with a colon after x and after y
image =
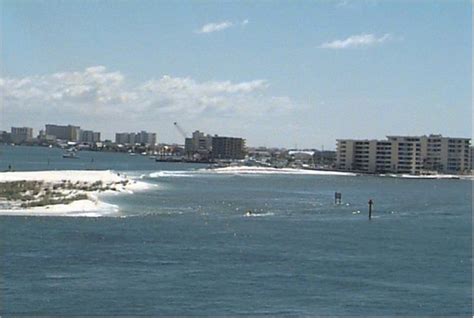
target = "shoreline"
x: 305, y: 171
x: 78, y: 192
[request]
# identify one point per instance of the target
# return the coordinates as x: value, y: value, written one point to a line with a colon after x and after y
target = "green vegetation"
x: 20, y: 190
x: 51, y: 200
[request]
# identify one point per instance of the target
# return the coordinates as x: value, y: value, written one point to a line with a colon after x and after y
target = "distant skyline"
x: 277, y: 73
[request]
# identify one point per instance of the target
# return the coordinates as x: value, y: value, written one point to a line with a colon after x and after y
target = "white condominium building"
x: 405, y: 154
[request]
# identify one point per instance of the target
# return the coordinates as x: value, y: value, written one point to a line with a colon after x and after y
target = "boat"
x: 70, y: 155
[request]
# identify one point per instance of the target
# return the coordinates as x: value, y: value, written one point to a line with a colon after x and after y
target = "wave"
x: 171, y: 173
x: 268, y: 170
x: 256, y: 215
x: 244, y: 171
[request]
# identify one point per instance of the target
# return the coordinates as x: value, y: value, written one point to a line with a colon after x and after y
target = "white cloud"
x: 214, y: 27
x: 99, y: 94
x: 354, y: 3
x: 354, y: 41
x: 219, y: 26
x: 343, y: 4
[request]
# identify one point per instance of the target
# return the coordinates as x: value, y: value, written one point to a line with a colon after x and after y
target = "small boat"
x: 70, y: 155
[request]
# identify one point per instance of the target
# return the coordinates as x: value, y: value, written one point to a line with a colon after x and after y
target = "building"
x: 19, y: 135
x: 405, y: 154
x: 42, y: 137
x: 145, y: 138
x: 142, y: 137
x: 203, y: 147
x: 69, y: 132
x: 4, y: 136
x: 89, y: 136
x: 324, y: 158
x: 228, y: 148
x: 199, y: 145
x: 123, y: 138
x: 472, y: 158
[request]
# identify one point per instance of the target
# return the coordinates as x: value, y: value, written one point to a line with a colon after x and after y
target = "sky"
x: 277, y: 73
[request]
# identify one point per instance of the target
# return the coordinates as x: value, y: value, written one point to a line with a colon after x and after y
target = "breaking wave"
x: 170, y: 173
x: 268, y: 170
x: 245, y: 171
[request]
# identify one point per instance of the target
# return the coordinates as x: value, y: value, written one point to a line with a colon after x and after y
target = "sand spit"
x: 68, y: 193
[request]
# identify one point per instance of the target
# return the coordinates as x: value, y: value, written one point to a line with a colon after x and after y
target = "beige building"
x: 69, y: 132
x: 405, y: 154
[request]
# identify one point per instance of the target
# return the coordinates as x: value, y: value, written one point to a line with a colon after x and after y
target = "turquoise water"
x: 185, y: 247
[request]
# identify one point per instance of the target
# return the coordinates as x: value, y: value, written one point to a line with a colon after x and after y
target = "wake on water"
x: 244, y: 171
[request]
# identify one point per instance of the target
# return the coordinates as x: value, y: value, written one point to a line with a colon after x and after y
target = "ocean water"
x: 187, y: 247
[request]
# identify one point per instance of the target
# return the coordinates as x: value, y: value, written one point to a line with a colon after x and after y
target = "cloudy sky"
x: 278, y: 73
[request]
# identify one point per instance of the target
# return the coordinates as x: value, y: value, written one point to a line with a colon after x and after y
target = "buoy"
x: 370, y: 208
x: 337, y: 197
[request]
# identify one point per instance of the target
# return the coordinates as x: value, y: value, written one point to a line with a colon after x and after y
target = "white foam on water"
x: 267, y: 170
x: 432, y: 176
x: 171, y: 173
x: 256, y: 215
x: 243, y: 170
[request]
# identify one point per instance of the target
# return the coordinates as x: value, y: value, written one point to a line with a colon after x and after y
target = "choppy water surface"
x: 187, y: 246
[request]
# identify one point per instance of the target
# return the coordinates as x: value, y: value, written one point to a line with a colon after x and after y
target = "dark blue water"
x: 186, y: 247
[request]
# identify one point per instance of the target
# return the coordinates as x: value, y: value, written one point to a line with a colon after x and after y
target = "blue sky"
x: 278, y: 73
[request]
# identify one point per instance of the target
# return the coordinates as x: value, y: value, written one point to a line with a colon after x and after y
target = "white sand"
x: 85, y: 208
x: 91, y: 207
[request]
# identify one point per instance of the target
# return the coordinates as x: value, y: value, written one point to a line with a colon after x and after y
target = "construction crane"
x: 181, y: 130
